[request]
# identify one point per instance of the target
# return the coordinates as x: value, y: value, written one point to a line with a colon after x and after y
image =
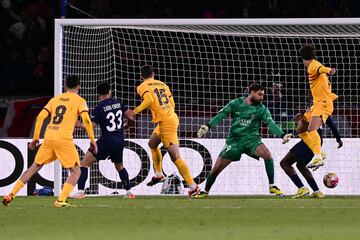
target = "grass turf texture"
x: 181, y: 218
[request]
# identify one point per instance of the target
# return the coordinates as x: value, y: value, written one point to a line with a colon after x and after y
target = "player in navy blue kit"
x: 109, y: 115
x: 301, y: 154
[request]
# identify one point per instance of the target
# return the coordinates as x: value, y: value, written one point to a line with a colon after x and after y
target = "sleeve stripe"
x: 144, y: 94
x: 83, y: 111
x: 47, y: 110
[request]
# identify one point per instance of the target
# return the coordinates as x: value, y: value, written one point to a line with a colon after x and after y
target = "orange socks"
x: 157, y: 160
x: 67, y: 188
x: 315, y: 137
x: 18, y: 185
x: 185, y: 172
x: 312, y: 140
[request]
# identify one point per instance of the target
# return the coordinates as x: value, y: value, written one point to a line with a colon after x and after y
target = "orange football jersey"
x: 161, y: 107
x: 319, y: 82
x: 64, y: 111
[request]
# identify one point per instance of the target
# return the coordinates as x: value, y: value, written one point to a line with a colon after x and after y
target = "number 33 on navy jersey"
x: 109, y: 115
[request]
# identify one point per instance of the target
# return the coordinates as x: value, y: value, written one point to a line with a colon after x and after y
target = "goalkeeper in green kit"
x: 247, y: 115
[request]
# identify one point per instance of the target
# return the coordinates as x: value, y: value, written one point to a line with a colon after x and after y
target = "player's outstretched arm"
x: 223, y: 113
x: 331, y: 124
x: 39, y: 122
x: 327, y: 70
x: 274, y: 128
x: 148, y: 99
x: 89, y: 129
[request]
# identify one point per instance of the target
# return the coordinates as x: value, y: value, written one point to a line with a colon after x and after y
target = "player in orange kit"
x: 322, y: 107
x: 157, y: 96
x: 58, y: 143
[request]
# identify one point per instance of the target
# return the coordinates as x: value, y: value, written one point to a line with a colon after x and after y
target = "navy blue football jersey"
x: 109, y: 116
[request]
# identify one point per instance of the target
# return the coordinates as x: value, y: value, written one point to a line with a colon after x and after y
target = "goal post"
x: 207, y: 63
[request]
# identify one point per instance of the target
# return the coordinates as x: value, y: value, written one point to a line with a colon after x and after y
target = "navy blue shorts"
x: 111, y: 148
x: 302, y: 152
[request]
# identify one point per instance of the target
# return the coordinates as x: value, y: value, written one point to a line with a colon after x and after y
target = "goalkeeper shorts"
x: 235, y: 147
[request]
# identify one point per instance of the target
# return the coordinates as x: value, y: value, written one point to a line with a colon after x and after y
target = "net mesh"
x: 206, y: 67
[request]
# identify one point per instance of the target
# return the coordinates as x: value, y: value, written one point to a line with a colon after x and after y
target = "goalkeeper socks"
x: 209, y: 182
x: 269, y: 167
x: 315, y: 137
x: 18, y: 185
x: 313, y: 184
x: 124, y: 176
x: 67, y: 188
x: 296, y: 180
x: 157, y: 159
x: 185, y: 172
x: 83, y: 178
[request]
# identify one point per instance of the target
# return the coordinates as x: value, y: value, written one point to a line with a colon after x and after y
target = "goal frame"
x: 60, y: 23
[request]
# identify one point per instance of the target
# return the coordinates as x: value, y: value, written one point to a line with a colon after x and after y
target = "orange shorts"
x: 64, y: 150
x: 322, y: 109
x: 167, y: 130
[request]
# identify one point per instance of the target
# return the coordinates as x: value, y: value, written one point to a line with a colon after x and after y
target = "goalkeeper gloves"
x: 286, y: 137
x: 203, y: 130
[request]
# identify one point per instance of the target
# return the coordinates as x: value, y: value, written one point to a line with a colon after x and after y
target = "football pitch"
x: 181, y: 218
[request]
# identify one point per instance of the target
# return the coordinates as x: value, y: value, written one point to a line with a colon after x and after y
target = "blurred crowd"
x: 217, y: 9
x: 26, y: 46
x: 26, y: 27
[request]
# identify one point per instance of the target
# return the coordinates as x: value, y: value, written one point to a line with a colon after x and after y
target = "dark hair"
x: 103, y: 88
x: 72, y: 81
x: 146, y: 71
x: 255, y: 87
x: 307, y: 52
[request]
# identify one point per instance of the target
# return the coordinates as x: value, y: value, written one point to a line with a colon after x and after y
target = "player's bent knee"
x: 174, y: 152
x: 88, y: 160
x: 175, y: 156
x: 85, y: 164
x: 284, y: 164
x: 215, y: 172
x: 119, y: 166
x: 154, y: 142
x: 301, y: 166
x: 35, y: 167
x: 266, y: 156
x: 300, y: 130
x: 302, y: 127
x: 75, y: 171
x: 151, y: 145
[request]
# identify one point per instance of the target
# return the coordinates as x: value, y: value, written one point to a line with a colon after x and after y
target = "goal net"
x: 207, y: 64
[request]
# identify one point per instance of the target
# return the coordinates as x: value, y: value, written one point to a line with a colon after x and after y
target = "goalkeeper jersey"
x: 246, y: 119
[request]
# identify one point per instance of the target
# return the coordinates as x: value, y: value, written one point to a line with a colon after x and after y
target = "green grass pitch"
x: 181, y: 218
